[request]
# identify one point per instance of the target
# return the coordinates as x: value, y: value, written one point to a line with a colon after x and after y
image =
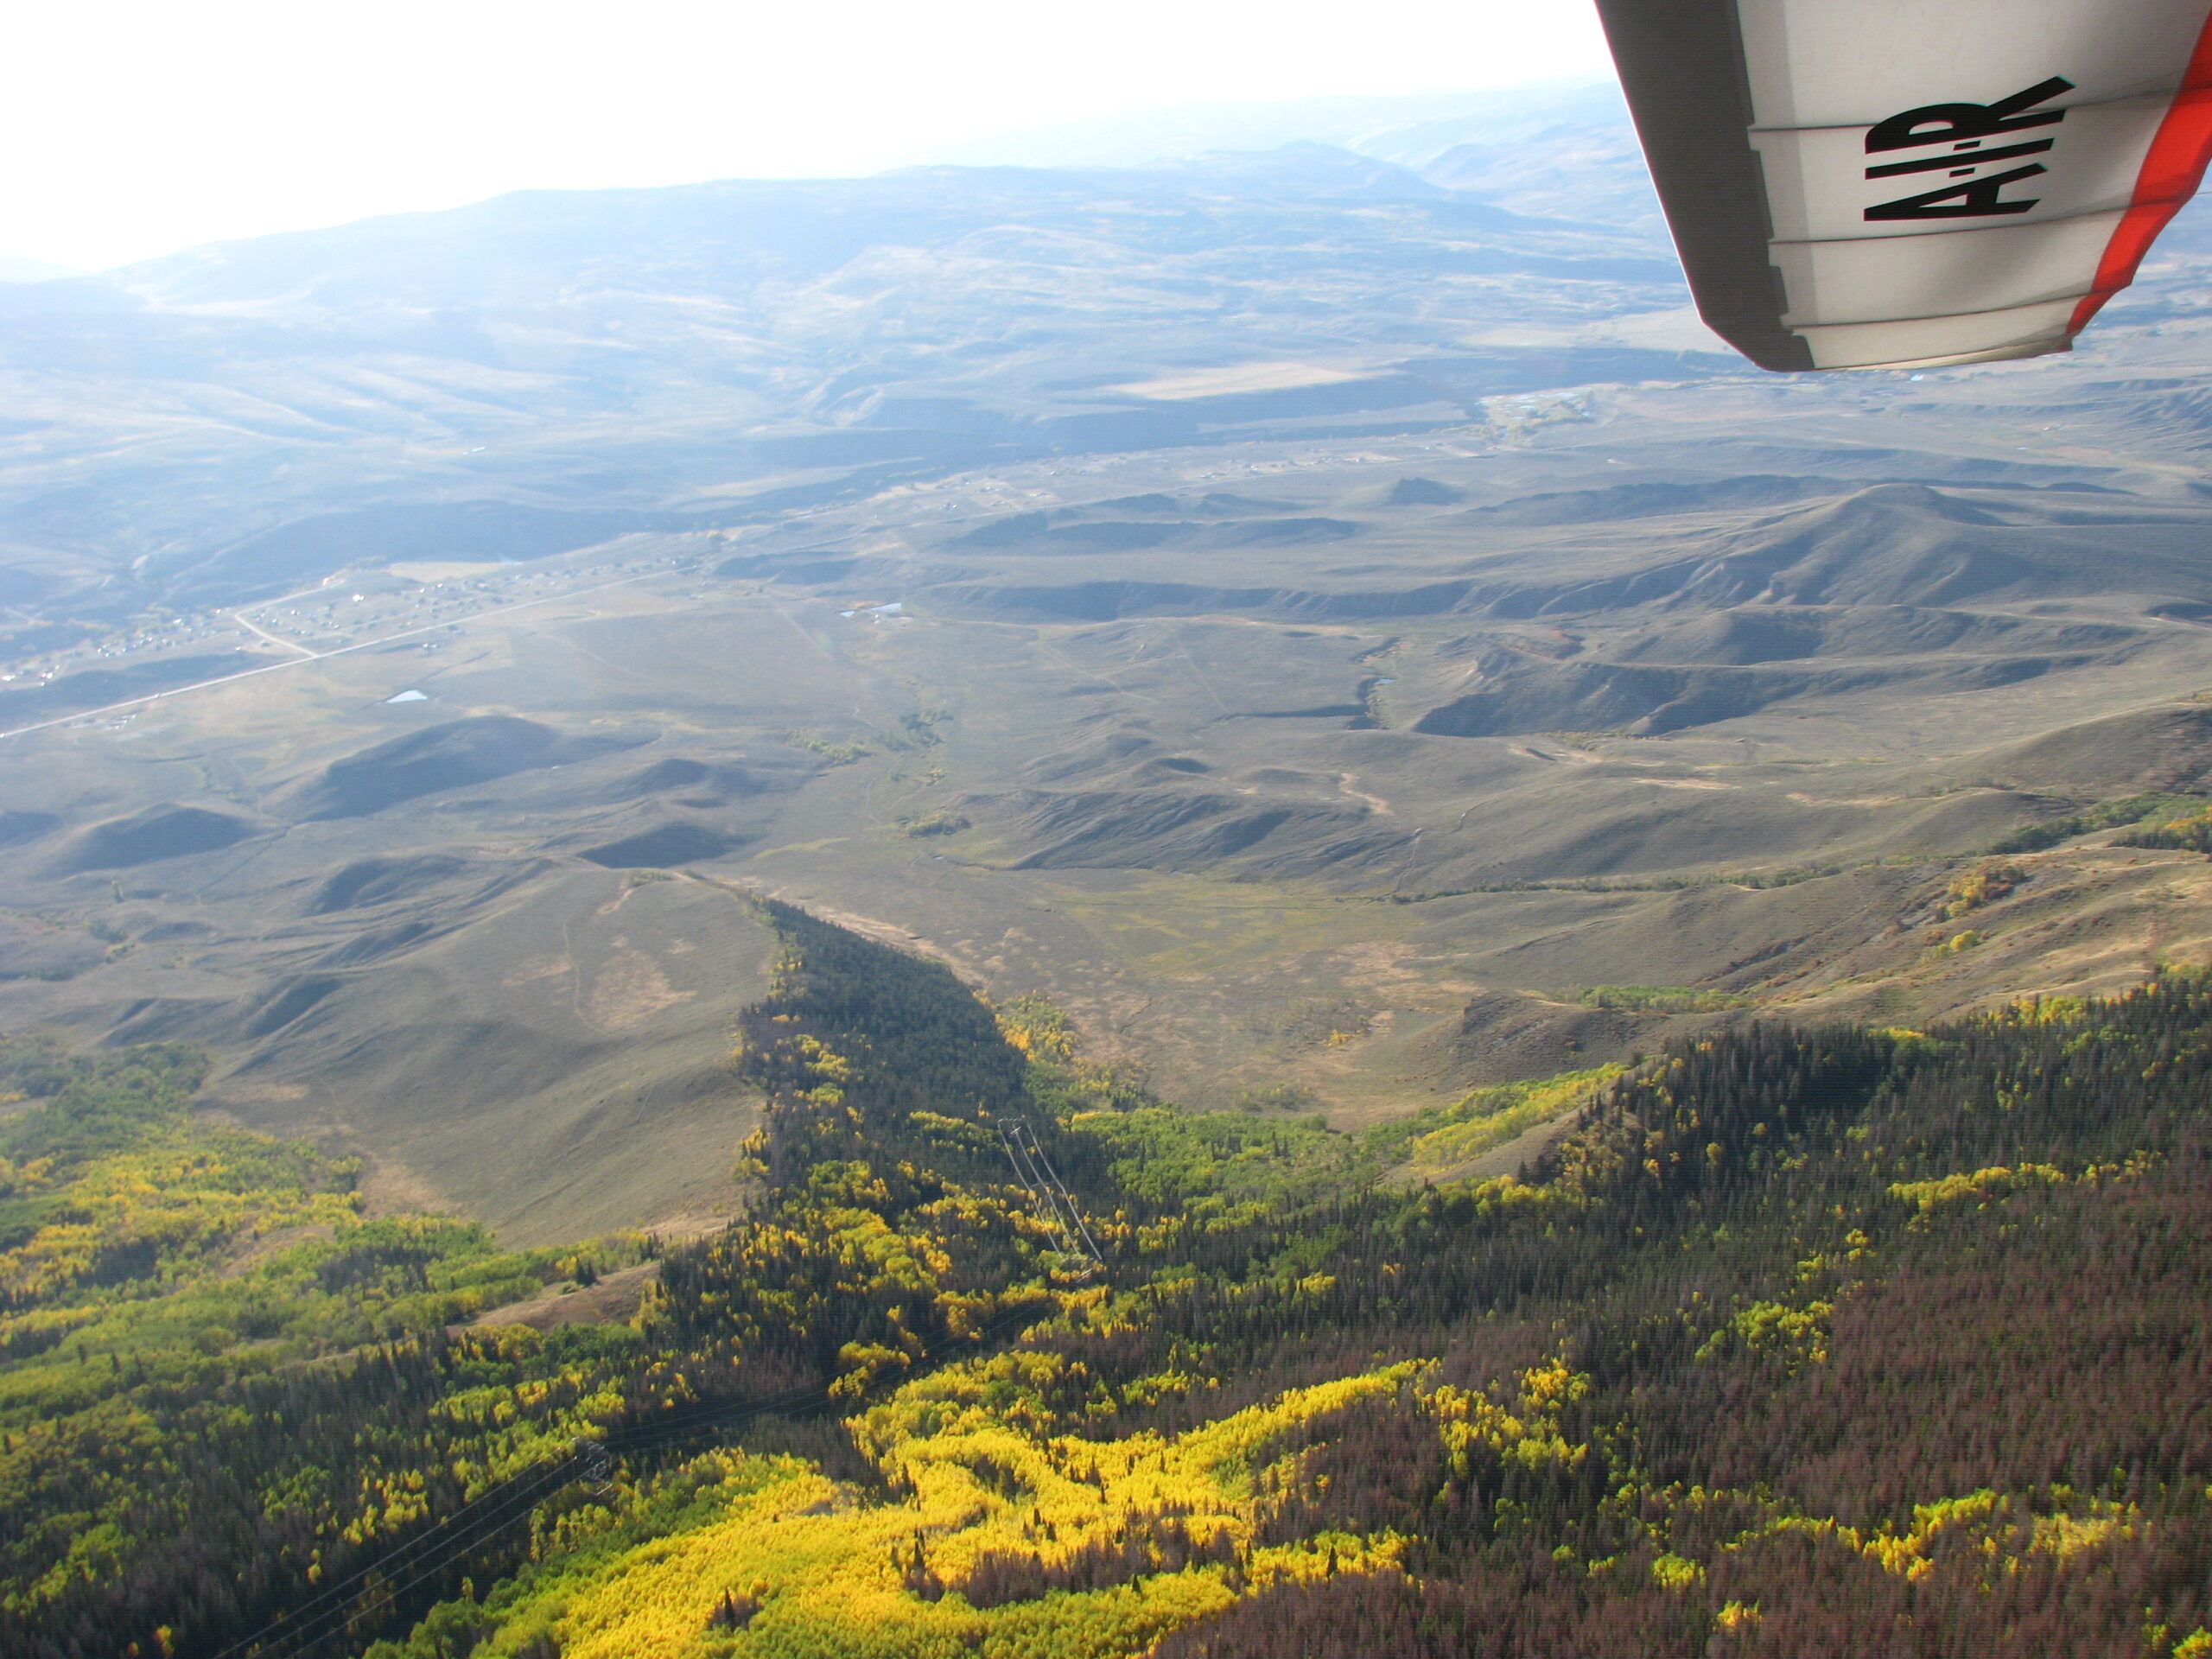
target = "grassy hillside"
x: 1273, y: 761
x: 1839, y: 1341
x: 1221, y: 597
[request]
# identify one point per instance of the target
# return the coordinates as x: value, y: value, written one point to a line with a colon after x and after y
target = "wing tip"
x: 1960, y: 360
x: 1803, y: 361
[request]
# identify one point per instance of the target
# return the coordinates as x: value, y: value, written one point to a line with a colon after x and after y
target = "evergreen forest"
x: 1815, y: 1343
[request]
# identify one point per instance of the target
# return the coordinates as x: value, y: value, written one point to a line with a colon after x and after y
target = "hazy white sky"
x: 131, y: 129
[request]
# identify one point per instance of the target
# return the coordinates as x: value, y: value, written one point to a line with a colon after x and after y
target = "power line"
x: 334, y: 1605
x: 1055, y: 1205
x: 426, y: 1557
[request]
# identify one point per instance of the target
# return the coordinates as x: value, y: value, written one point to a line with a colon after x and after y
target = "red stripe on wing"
x: 2171, y: 171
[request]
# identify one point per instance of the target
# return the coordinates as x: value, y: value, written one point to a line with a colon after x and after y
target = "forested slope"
x: 1805, y: 1342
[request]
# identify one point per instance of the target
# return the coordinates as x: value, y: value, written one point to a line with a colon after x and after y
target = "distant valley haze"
x: 135, y: 129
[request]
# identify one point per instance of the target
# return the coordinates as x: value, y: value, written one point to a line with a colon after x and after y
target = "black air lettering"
x: 1962, y: 127
x: 1938, y: 164
x: 1972, y: 200
x: 1943, y: 123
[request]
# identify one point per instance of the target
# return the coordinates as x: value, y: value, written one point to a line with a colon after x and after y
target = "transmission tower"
x: 1055, y: 1204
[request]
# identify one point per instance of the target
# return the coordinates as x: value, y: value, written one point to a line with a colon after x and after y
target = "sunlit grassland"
x: 1173, y: 924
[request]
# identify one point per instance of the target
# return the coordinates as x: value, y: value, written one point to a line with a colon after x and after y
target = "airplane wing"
x: 1911, y: 183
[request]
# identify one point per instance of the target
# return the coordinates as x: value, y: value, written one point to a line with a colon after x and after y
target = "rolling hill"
x: 1316, y: 612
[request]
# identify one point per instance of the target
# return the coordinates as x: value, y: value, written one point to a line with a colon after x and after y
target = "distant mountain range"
x: 1565, y: 148
x: 701, y: 355
x: 678, y: 351
x: 31, y: 271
